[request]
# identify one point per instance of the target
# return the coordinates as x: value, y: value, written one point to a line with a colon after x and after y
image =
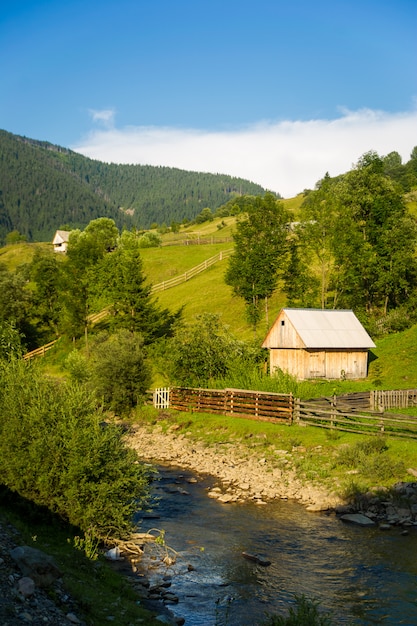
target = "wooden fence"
x: 256, y: 405
x: 177, y: 280
x: 348, y: 412
x: 335, y: 416
x: 196, y: 240
x: 39, y: 351
x: 394, y: 399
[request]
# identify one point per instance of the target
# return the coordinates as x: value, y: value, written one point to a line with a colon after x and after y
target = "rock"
x: 225, y: 498
x: 36, y: 564
x: 357, y: 518
x: 169, y: 598
x: 113, y: 554
x: 26, y: 587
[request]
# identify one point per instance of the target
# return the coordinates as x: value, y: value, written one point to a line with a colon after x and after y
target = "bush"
x: 120, y: 375
x: 56, y: 452
x: 370, y: 457
x: 77, y: 366
x: 203, y: 353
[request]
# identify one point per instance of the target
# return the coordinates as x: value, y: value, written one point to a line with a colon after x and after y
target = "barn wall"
x: 283, y: 334
x: 351, y: 364
x: 320, y: 364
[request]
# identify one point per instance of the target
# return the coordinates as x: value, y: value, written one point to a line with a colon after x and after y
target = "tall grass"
x: 252, y: 377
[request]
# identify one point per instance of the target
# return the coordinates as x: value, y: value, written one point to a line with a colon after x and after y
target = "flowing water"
x: 361, y: 575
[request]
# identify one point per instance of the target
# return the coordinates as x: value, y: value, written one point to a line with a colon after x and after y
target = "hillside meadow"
x: 393, y: 364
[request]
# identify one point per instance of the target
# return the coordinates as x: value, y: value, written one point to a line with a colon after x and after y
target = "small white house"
x: 318, y: 343
x: 60, y: 240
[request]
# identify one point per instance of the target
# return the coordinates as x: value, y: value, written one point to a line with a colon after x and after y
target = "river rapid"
x: 361, y: 575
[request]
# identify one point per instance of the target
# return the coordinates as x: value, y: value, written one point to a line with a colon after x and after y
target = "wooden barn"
x: 318, y: 343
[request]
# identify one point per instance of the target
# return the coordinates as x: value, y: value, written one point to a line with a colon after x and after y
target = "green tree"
x: 86, y: 250
x: 205, y: 216
x: 120, y: 374
x: 301, y: 285
x: 316, y: 243
x: 45, y: 272
x: 10, y: 341
x: 261, y: 253
x: 16, y: 304
x: 375, y: 240
x: 122, y: 279
x: 200, y: 352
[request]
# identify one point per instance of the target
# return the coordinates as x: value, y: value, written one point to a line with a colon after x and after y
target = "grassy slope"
x: 206, y: 292
x: 19, y: 254
x: 396, y: 362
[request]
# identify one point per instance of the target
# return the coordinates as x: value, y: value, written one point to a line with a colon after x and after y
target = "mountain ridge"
x: 44, y: 186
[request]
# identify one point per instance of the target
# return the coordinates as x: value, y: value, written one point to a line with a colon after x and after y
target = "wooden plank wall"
x: 257, y: 405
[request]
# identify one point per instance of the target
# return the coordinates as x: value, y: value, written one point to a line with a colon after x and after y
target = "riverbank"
x: 242, y: 473
x: 263, y: 474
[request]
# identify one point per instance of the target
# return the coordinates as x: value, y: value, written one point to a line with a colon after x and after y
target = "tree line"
x: 353, y: 247
x: 45, y: 187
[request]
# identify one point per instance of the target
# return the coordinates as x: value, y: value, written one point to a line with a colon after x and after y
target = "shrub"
x: 371, y: 459
x: 56, y: 452
x: 77, y: 366
x: 120, y: 374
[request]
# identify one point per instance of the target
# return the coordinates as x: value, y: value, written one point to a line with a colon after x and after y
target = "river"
x: 361, y: 575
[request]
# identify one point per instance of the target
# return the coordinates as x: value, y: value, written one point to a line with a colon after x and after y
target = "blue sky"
x: 278, y: 92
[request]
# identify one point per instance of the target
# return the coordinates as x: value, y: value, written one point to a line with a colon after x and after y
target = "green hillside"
x: 44, y: 187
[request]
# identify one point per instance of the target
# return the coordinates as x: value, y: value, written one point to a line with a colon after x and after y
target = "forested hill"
x: 44, y: 187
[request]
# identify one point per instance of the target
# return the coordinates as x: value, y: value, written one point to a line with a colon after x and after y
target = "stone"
x: 26, y: 587
x: 36, y: 565
x: 357, y: 518
x: 225, y: 498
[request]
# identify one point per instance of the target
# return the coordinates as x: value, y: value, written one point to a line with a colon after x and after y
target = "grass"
x: 18, y: 254
x: 205, y: 293
x: 396, y: 364
x: 101, y: 593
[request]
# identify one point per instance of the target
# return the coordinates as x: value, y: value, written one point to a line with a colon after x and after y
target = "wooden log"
x: 259, y: 560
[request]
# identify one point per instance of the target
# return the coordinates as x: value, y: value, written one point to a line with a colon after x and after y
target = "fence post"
x: 296, y: 411
x: 333, y: 415
x: 381, y: 423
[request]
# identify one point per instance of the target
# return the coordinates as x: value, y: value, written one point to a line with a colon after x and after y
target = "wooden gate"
x: 161, y: 398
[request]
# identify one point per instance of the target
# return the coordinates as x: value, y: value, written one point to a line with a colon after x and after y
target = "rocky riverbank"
x: 243, y: 474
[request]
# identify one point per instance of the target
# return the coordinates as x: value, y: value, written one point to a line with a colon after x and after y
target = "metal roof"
x: 320, y: 328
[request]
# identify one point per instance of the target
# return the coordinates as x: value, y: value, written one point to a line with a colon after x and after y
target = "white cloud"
x: 104, y: 117
x: 286, y: 156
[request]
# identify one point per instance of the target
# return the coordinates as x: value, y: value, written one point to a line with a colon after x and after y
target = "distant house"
x: 317, y: 343
x: 60, y: 240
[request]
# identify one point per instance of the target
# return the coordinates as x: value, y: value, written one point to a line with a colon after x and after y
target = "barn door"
x: 317, y: 365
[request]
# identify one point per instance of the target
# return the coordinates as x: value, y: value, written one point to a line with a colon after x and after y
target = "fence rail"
x: 348, y: 412
x: 39, y: 351
x: 366, y: 423
x: 257, y: 405
x: 178, y: 280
